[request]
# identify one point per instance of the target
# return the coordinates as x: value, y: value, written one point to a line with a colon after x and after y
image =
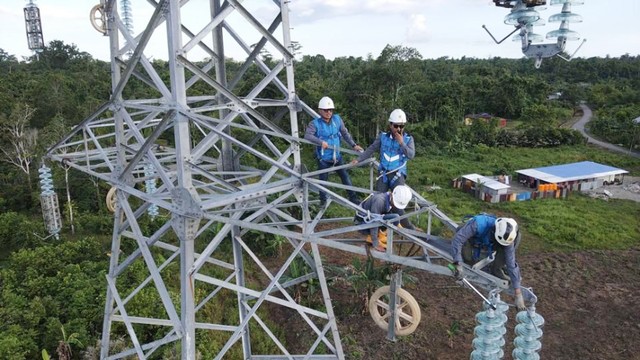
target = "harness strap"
x: 369, y: 217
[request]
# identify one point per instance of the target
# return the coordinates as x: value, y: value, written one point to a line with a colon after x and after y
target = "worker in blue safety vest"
x: 487, y: 235
x: 396, y: 147
x: 327, y: 132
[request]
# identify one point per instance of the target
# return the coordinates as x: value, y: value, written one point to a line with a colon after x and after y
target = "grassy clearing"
x: 576, y: 223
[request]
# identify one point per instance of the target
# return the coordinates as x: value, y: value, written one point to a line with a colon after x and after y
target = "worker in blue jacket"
x: 327, y: 132
x: 485, y: 234
x: 396, y: 147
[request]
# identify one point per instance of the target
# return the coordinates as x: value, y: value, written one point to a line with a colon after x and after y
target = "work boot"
x: 382, y: 238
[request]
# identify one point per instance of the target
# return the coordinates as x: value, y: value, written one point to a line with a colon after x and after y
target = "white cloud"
x: 310, y: 11
x: 418, y: 30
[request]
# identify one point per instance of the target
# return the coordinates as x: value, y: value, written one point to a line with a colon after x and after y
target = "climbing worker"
x: 498, y: 237
x: 396, y: 147
x: 384, y: 206
x: 327, y: 132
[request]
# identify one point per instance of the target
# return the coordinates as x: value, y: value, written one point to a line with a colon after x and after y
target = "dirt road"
x: 580, y: 124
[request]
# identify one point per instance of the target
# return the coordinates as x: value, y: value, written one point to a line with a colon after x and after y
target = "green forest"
x: 52, y: 291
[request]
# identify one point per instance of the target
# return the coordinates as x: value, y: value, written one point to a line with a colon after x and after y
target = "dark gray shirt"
x: 379, y: 204
x: 468, y: 231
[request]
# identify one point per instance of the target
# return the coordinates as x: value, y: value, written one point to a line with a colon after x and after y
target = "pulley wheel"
x: 98, y: 18
x: 407, y: 310
x: 111, y: 199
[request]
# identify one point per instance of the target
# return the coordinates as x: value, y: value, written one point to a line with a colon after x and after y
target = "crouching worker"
x: 384, y: 206
x: 483, y: 235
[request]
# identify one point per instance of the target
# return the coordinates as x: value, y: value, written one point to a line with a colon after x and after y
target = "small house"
x: 470, y: 118
x: 484, y: 188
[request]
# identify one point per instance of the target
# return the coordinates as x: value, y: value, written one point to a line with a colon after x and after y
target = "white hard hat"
x: 401, y: 196
x: 506, y: 231
x: 326, y: 103
x: 398, y: 116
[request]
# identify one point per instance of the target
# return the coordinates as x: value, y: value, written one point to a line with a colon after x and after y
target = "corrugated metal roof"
x: 485, y: 181
x: 574, y: 171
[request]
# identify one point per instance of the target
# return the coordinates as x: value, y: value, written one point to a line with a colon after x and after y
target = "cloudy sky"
x: 337, y: 28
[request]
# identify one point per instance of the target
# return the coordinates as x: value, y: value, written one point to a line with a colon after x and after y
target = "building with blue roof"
x: 555, y: 181
x: 583, y: 176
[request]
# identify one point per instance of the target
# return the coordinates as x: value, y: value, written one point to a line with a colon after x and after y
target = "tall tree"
x: 20, y: 140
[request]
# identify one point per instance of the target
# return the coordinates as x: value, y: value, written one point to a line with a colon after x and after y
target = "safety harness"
x: 329, y: 132
x: 392, y: 159
x: 369, y: 217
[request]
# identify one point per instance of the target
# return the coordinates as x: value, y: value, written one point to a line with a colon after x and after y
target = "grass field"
x: 575, y: 223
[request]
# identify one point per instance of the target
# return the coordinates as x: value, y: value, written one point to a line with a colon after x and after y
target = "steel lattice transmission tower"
x: 222, y: 147
x: 227, y: 165
x: 33, y: 27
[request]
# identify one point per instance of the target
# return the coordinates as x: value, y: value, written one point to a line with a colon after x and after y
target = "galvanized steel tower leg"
x: 184, y: 226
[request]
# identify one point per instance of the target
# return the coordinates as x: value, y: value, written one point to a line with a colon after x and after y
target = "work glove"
x: 520, y: 302
x: 459, y: 272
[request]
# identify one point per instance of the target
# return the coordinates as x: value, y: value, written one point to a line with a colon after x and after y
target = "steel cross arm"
x: 99, y: 147
x: 223, y: 185
x: 104, y: 107
x: 313, y: 174
x: 268, y: 79
x: 387, y: 223
x: 105, y: 156
x: 137, y: 74
x: 195, y: 78
x: 63, y: 159
x: 401, y: 260
x: 294, y: 242
x: 249, y: 193
x: 149, y: 198
x: 267, y: 141
x: 214, y: 57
